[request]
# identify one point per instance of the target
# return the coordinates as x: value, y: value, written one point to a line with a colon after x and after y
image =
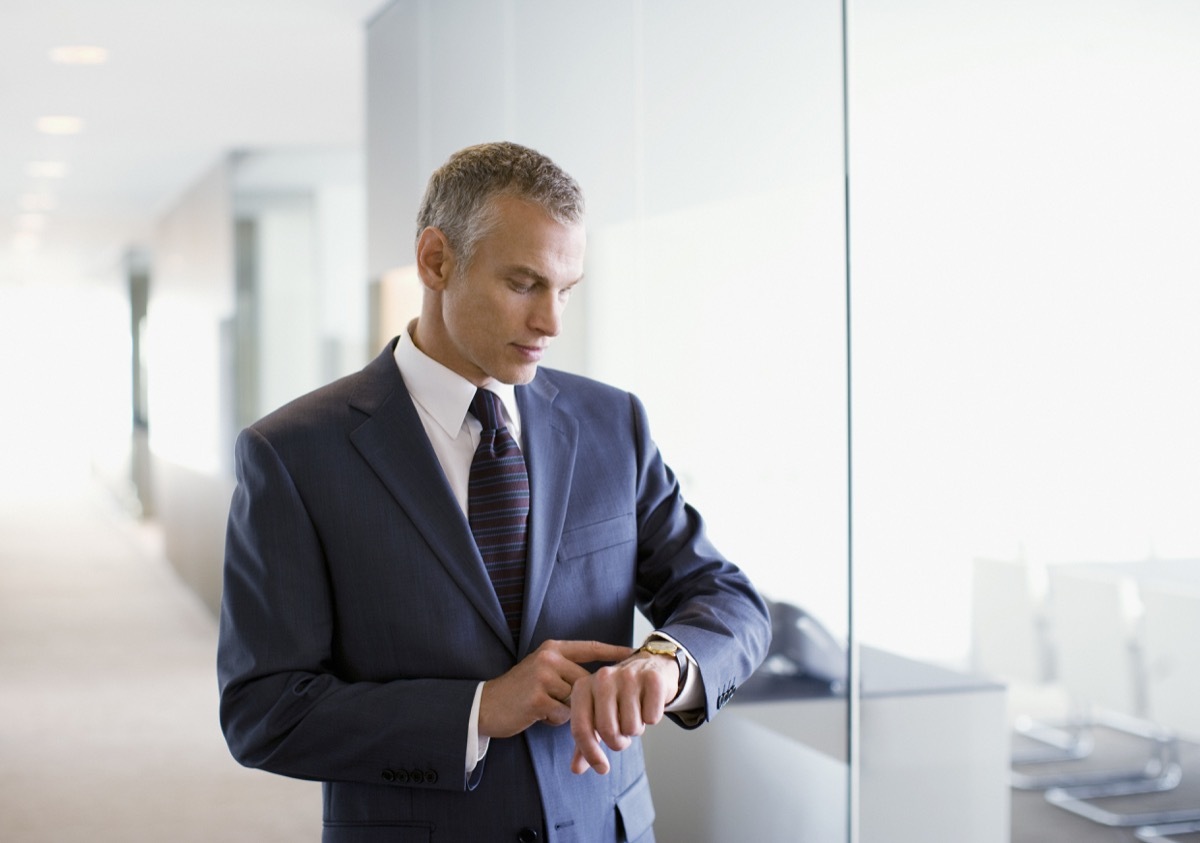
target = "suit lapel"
x: 550, y: 438
x: 393, y: 441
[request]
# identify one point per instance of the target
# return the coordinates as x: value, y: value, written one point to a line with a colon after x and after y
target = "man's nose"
x: 547, y: 316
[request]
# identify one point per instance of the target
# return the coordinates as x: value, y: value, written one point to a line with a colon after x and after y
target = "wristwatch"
x: 656, y: 646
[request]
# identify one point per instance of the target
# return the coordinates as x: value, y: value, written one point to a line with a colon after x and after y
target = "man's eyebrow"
x: 527, y: 272
x: 532, y: 275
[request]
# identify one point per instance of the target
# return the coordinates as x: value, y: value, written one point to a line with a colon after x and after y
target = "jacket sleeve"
x: 282, y: 706
x: 687, y: 588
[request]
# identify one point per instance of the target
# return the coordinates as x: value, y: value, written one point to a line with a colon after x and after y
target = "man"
x: 445, y: 677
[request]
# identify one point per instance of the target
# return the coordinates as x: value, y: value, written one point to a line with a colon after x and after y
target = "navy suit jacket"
x: 357, y: 616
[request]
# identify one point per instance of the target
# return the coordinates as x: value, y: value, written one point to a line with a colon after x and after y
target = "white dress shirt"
x: 442, y: 399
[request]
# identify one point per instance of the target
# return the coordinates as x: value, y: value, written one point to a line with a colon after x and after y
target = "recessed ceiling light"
x: 46, y: 169
x: 79, y: 54
x: 60, y: 124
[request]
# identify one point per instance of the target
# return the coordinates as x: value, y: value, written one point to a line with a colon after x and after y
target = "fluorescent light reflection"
x: 60, y: 124
x: 46, y: 169
x: 81, y: 54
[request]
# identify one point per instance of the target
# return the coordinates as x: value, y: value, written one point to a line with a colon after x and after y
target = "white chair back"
x: 1007, y: 623
x: 1171, y: 643
x: 1092, y: 627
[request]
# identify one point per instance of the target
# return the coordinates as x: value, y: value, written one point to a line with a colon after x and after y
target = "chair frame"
x: 1166, y: 833
x: 1074, y: 741
x: 1162, y: 772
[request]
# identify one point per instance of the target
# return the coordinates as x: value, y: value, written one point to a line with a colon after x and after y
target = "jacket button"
x: 402, y: 776
x: 389, y: 776
x: 416, y: 776
x: 527, y: 835
x: 431, y: 777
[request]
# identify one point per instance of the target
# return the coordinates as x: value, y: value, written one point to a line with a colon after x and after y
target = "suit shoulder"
x: 587, y: 393
x: 336, y: 405
x: 309, y: 408
x: 570, y: 384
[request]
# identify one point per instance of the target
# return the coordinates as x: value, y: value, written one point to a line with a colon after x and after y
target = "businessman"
x: 432, y: 565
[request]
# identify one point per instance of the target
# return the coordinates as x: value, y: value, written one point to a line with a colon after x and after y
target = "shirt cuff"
x: 691, y: 695
x: 477, y: 746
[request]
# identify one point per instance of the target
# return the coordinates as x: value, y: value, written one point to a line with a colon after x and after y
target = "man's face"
x: 502, y: 312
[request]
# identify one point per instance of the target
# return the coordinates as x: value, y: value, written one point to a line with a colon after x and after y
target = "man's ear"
x: 435, y: 260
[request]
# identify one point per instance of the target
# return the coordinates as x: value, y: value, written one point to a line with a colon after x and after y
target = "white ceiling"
x: 185, y: 81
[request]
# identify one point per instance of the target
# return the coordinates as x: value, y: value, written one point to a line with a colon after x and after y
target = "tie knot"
x: 485, y: 406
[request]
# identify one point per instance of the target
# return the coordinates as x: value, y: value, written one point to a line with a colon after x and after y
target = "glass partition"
x: 720, y: 300
x: 708, y: 139
x: 1024, y: 213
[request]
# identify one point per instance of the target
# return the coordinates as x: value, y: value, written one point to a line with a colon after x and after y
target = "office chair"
x: 1089, y: 601
x: 1170, y: 630
x: 1010, y: 641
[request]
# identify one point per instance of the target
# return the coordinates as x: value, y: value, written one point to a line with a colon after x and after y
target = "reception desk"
x: 933, y: 761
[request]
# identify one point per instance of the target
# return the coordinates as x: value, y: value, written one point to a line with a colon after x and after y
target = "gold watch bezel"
x: 660, y: 648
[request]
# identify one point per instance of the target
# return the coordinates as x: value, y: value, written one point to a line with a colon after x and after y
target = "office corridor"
x: 108, y: 721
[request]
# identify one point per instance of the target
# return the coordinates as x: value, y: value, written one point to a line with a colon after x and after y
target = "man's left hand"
x: 617, y: 703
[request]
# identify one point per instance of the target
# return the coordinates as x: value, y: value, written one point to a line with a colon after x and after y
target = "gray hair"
x: 458, y: 197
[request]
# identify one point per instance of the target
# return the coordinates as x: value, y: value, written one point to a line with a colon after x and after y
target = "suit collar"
x: 550, y: 440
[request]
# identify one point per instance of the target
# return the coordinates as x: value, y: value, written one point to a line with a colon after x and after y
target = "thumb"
x: 582, y: 652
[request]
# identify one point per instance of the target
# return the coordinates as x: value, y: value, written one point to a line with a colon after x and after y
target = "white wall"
x: 308, y: 207
x: 190, y: 378
x: 308, y: 323
x: 191, y: 294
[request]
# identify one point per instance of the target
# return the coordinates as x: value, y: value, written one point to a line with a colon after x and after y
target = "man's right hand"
x: 539, y: 687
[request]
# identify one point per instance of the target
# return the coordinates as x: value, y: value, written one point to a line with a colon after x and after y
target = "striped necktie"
x: 498, y: 506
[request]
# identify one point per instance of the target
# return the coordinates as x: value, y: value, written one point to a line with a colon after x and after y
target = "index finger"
x: 582, y: 652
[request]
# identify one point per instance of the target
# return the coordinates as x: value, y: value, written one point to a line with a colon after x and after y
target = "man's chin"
x: 517, y: 375
x: 525, y: 375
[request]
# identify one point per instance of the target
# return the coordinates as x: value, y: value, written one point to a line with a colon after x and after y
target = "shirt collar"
x: 443, y: 393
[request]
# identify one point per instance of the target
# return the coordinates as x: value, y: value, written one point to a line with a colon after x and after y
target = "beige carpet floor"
x: 108, y: 697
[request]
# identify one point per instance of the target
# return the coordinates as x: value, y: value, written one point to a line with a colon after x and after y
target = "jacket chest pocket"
x: 598, y: 538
